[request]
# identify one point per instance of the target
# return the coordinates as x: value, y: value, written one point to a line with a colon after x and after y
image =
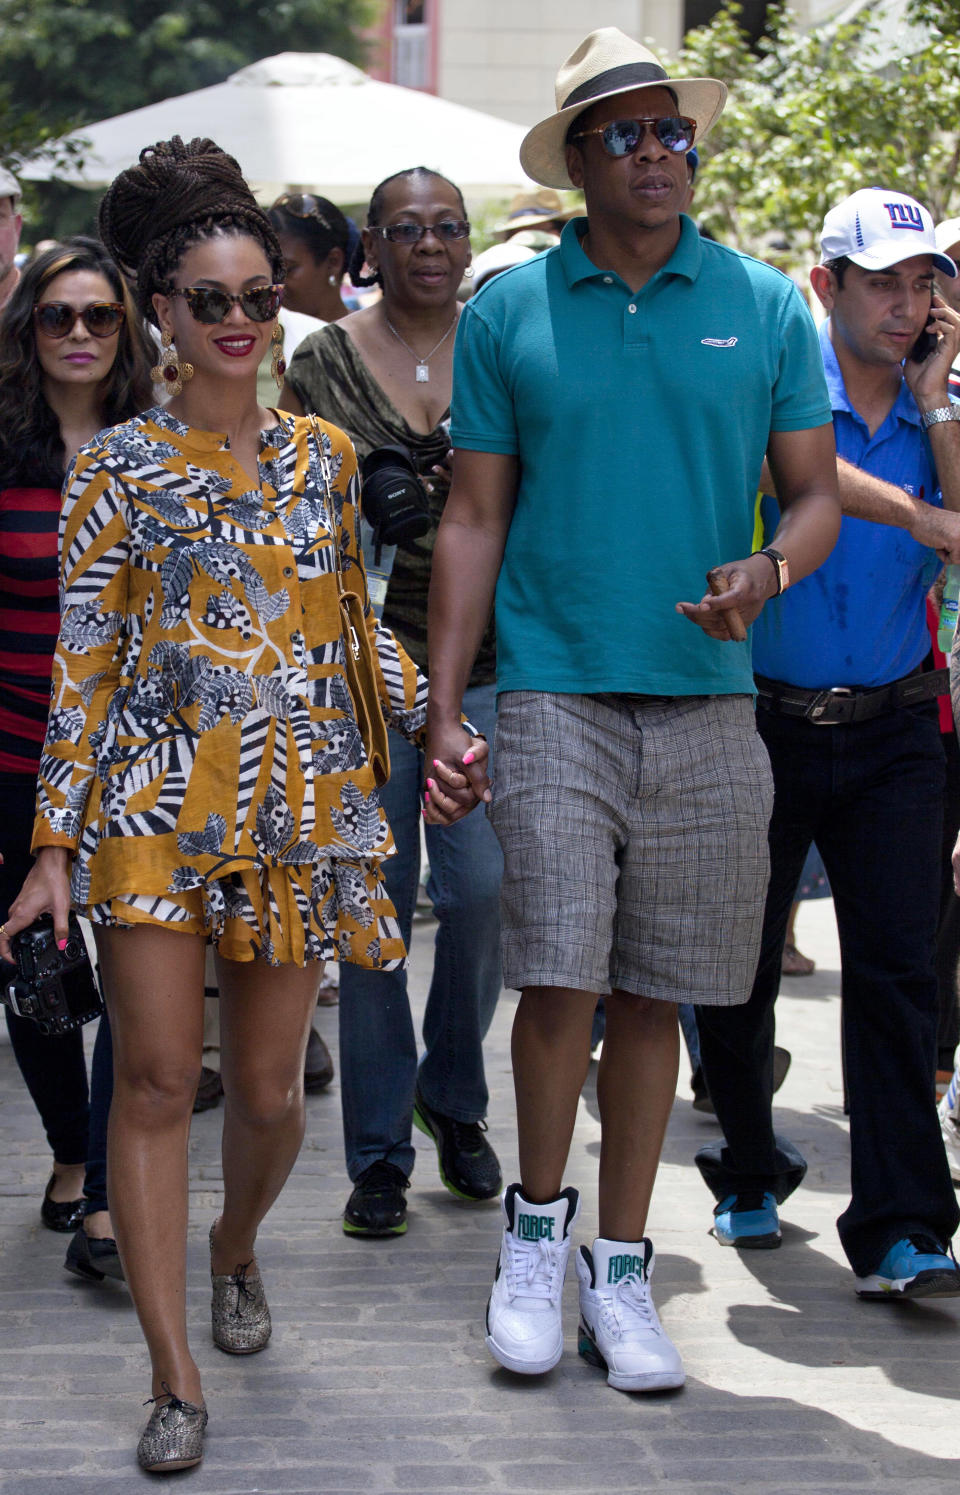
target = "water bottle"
x: 947, y: 625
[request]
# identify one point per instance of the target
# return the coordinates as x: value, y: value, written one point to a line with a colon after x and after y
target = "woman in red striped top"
x: 72, y: 361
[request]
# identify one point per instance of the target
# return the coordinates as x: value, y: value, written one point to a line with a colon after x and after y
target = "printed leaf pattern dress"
x: 202, y: 760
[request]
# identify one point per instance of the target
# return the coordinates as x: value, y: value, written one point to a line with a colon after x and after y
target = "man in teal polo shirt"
x: 613, y: 402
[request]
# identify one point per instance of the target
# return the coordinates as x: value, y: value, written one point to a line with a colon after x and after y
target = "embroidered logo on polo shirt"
x: 719, y: 342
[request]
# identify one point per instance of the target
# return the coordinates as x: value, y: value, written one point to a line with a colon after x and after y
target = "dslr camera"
x: 55, y: 989
x: 394, y: 501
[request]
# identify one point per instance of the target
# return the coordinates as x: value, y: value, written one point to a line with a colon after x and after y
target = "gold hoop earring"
x: 278, y: 364
x: 170, y: 372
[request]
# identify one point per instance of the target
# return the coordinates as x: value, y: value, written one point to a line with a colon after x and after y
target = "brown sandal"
x: 795, y: 964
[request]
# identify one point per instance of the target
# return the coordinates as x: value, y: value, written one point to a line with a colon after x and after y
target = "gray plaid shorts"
x: 634, y: 835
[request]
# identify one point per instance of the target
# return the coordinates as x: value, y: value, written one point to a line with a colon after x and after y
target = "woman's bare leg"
x: 265, y: 1015
x: 153, y: 980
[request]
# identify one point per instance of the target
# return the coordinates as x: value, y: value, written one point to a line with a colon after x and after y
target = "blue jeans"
x: 871, y: 795
x: 378, y: 1046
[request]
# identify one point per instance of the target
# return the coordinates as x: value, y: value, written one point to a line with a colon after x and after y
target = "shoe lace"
x: 468, y: 1135
x: 238, y: 1280
x: 629, y: 1303
x: 535, y: 1270
x: 381, y: 1176
x: 173, y: 1403
x: 928, y: 1245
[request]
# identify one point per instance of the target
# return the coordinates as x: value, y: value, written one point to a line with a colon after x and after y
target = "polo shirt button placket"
x: 633, y: 329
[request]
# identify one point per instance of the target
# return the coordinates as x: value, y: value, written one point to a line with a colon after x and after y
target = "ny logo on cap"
x: 905, y: 215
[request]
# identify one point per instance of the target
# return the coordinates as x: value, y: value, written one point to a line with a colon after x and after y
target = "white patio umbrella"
x: 309, y: 120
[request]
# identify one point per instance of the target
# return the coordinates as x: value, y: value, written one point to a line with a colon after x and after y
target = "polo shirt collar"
x: 904, y: 406
x: 685, y: 259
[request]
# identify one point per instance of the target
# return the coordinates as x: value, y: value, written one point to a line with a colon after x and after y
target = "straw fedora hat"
x: 606, y: 63
x: 531, y: 209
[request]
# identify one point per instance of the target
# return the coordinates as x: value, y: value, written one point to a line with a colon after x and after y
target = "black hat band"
x: 630, y: 75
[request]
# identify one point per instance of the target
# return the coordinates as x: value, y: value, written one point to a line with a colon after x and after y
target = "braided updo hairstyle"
x: 178, y: 196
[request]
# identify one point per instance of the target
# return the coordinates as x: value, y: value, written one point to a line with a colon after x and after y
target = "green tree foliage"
x: 814, y: 115
x: 66, y: 63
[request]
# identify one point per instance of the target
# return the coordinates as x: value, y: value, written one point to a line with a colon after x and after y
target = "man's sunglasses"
x: 210, y: 306
x: 621, y: 137
x: 58, y: 318
x: 302, y: 205
x: 412, y: 233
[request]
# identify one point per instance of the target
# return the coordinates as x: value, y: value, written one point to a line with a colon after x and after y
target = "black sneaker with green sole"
x: 378, y: 1205
x: 468, y: 1164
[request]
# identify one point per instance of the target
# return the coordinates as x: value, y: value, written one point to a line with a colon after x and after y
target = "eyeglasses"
x: 58, y: 318
x: 412, y: 233
x: 302, y: 205
x: 210, y: 306
x: 621, y: 137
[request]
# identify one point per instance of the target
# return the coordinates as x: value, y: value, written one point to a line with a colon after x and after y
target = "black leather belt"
x: 836, y: 704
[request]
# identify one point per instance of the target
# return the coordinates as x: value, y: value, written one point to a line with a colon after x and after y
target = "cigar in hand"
x: 718, y: 584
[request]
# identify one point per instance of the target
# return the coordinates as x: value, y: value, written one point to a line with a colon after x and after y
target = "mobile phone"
x: 925, y: 344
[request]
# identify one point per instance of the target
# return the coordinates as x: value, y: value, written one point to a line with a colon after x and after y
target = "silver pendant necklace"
x: 423, y: 364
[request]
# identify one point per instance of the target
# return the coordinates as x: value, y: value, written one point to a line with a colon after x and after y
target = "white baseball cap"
x: 948, y: 234
x: 875, y: 229
x: 9, y: 186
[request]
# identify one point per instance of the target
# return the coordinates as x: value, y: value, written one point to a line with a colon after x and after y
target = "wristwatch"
x: 942, y: 412
x: 779, y: 562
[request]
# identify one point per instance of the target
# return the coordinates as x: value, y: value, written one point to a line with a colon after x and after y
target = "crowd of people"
x: 218, y: 743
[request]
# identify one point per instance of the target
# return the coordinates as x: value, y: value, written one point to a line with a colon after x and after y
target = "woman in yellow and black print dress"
x: 203, y: 775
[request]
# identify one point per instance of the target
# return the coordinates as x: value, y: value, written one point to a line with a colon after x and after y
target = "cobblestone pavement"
x: 377, y: 1380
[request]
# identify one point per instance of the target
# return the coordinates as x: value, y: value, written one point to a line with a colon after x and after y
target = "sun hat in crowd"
x: 531, y: 209
x: 608, y: 62
x: 948, y: 235
x: 875, y: 228
x: 499, y: 257
x: 9, y: 186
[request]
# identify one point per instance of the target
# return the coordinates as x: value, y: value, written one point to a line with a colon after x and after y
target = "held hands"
x: 456, y: 779
x: 928, y: 380
x: 46, y: 889
x: 752, y: 582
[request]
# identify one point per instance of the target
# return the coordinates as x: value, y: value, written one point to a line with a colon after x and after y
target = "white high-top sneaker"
x: 523, y: 1323
x: 619, y: 1327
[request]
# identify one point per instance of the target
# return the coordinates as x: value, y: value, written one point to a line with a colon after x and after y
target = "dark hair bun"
x: 174, y: 184
x: 177, y: 196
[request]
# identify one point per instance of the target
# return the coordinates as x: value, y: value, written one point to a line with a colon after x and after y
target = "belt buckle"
x: 815, y: 714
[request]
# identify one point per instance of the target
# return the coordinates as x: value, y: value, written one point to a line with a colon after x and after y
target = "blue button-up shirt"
x: 860, y: 619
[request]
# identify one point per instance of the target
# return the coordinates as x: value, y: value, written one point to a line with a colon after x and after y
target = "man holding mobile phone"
x: 850, y: 721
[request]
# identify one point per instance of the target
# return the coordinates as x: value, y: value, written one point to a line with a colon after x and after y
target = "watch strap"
x: 779, y: 562
x: 941, y: 413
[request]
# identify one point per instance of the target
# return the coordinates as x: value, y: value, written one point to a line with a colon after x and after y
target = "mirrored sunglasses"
x: 302, y: 205
x: 211, y: 306
x: 58, y: 318
x: 621, y: 137
x: 412, y: 233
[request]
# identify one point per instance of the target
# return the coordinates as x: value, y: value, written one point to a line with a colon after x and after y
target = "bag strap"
x: 346, y: 623
x: 317, y: 430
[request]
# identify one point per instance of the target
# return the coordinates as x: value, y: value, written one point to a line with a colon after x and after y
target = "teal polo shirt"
x: 640, y: 423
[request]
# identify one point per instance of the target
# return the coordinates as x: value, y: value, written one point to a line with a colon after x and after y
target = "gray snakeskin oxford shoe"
x: 173, y: 1437
x: 241, y: 1318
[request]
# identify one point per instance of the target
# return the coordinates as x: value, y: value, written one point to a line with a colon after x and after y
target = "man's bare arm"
x: 864, y: 496
x: 466, y: 563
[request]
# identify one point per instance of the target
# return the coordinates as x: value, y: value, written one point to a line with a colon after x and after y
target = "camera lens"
x: 394, y: 500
